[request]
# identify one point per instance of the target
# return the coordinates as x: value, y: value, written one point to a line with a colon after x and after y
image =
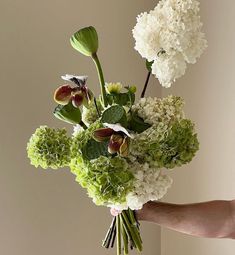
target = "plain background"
x: 46, y: 212
x: 209, y: 91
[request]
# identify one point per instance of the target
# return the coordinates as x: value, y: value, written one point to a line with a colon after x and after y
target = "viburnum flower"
x: 49, y: 148
x: 170, y: 35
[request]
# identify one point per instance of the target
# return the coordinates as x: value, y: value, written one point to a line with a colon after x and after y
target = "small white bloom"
x: 77, y: 129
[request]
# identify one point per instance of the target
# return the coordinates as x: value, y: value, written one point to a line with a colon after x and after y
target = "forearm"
x: 210, y: 219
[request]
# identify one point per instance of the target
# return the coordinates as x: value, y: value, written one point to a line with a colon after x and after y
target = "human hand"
x: 140, y: 214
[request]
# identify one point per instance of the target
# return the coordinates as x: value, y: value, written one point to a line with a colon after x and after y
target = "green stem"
x: 101, y: 79
x: 132, y: 217
x: 83, y: 125
x: 134, y: 221
x: 96, y: 107
x: 124, y: 237
x: 133, y: 231
x: 145, y: 85
x: 118, y: 226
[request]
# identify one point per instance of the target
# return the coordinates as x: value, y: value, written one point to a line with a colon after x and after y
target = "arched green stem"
x: 101, y: 79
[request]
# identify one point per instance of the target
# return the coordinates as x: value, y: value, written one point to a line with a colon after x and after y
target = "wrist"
x: 145, y: 214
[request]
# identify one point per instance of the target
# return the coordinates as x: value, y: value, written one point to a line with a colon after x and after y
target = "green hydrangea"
x: 167, y: 146
x: 49, y: 148
x: 107, y: 179
x: 89, y: 114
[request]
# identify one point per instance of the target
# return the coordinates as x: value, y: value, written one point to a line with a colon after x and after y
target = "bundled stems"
x: 125, y: 237
x: 124, y: 228
x: 146, y: 85
x: 101, y: 79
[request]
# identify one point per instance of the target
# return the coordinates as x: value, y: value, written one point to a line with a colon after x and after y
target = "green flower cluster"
x: 107, y: 179
x: 166, y: 146
x: 49, y: 148
x: 89, y: 114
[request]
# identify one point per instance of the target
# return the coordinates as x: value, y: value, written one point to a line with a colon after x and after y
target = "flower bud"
x: 113, y: 88
x: 102, y: 134
x: 77, y: 99
x: 116, y: 141
x: 132, y: 89
x: 85, y: 41
x: 62, y: 95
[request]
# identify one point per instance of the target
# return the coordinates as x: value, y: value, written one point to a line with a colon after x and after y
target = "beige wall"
x: 46, y: 212
x: 209, y: 91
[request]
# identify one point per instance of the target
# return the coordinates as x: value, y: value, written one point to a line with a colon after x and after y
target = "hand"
x: 140, y: 214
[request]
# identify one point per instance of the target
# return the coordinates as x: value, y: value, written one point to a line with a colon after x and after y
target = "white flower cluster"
x: 156, y: 110
x: 170, y: 35
x: 150, y: 185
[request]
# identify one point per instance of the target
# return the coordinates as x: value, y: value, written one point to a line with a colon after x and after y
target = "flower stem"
x: 101, y: 79
x: 96, y: 107
x: 114, y: 236
x: 109, y: 235
x: 133, y: 231
x: 124, y: 237
x: 145, y: 85
x: 82, y: 124
x: 118, y: 226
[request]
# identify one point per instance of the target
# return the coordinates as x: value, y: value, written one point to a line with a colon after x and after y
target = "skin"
x: 213, y: 219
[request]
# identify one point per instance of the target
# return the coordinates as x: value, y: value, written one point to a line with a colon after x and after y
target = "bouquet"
x: 120, y: 146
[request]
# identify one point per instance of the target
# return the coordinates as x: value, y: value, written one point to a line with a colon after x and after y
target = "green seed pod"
x: 85, y: 41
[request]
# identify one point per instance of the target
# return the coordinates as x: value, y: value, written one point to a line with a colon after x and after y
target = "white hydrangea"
x: 168, y: 68
x: 156, y: 110
x: 170, y: 32
x: 150, y: 185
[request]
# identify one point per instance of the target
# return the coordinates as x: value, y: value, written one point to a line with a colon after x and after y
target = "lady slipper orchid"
x: 103, y: 134
x: 62, y: 94
x: 77, y: 99
x: 118, y: 138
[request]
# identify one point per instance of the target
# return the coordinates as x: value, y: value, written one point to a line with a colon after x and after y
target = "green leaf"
x: 123, y: 98
x: 68, y: 113
x: 137, y: 124
x: 94, y: 149
x: 114, y: 114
